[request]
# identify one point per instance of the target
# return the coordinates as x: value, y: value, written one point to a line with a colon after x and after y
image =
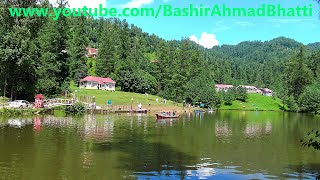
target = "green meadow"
x: 256, y: 102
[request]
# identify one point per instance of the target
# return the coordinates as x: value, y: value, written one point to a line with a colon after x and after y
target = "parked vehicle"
x: 19, y: 104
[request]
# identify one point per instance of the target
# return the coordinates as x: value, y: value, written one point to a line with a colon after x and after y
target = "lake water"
x: 221, y: 145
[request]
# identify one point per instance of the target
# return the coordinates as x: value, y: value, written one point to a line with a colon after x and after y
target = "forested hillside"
x: 40, y: 55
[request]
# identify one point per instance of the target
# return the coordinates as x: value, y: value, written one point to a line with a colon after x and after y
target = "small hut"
x: 38, y: 101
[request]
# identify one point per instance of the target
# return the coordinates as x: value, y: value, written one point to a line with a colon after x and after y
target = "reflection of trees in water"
x: 143, y: 155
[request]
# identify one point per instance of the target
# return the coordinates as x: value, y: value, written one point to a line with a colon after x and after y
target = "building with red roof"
x: 92, y: 52
x: 222, y: 87
x: 251, y: 89
x: 266, y: 92
x: 91, y: 82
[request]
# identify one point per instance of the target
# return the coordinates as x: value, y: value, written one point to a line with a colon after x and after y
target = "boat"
x: 211, y: 110
x: 164, y: 115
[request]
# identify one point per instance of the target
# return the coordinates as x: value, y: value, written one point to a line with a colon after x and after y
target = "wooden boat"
x: 165, y: 116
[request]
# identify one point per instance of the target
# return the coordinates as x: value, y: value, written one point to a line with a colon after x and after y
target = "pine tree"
x: 77, y: 49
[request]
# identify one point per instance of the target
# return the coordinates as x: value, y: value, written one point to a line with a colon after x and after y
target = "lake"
x: 220, y: 145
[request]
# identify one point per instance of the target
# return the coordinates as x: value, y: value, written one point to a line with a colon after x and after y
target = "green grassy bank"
x: 120, y: 98
x: 256, y: 102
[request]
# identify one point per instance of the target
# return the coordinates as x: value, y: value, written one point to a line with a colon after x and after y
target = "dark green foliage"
x: 52, y: 69
x: 199, y: 89
x: 234, y: 93
x: 77, y: 49
x: 310, y: 98
x: 76, y: 108
x: 312, y: 139
x: 241, y: 94
x: 228, y: 97
x: 291, y: 104
x: 297, y: 75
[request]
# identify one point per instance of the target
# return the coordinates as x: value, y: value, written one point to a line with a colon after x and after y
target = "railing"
x: 58, y: 102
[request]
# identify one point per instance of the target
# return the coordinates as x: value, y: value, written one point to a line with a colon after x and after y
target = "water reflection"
x: 98, y: 130
x: 254, y: 129
x: 222, y: 129
x: 37, y: 121
x: 203, y: 170
x: 19, y: 123
x: 135, y: 146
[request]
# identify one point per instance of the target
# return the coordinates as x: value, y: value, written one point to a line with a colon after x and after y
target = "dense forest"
x: 41, y: 55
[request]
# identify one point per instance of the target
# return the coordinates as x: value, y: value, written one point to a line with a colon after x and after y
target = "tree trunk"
x: 11, y: 93
x: 5, y: 87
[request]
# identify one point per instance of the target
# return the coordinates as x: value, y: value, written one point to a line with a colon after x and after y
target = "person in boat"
x: 173, y: 114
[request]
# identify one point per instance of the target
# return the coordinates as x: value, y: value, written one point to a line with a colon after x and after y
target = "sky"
x: 213, y: 31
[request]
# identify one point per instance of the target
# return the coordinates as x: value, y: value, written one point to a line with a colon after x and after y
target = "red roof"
x: 39, y: 96
x: 100, y: 80
x: 92, y: 50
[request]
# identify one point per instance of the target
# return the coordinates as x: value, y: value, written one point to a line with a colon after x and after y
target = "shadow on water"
x: 142, y: 156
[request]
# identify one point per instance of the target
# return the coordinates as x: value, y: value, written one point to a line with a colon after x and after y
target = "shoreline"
x: 153, y: 109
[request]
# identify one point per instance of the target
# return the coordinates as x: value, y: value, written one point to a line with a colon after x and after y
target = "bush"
x: 77, y: 107
x: 309, y: 100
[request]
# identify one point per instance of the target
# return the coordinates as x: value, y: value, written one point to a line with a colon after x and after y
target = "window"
x: 94, y: 84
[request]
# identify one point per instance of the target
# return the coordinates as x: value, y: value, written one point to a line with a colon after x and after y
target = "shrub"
x: 77, y: 107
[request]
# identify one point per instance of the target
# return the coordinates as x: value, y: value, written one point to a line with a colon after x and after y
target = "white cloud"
x: 206, y: 40
x: 81, y: 3
x: 136, y: 3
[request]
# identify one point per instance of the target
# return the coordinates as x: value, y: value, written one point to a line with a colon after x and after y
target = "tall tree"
x: 52, y: 67
x: 77, y: 49
x: 297, y: 75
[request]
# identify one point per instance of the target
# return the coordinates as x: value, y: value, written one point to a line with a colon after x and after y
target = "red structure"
x: 38, y: 101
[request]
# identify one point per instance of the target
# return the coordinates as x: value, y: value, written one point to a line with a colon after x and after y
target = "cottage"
x: 91, y: 82
x: 222, y: 87
x: 251, y: 89
x: 92, y: 52
x: 266, y: 92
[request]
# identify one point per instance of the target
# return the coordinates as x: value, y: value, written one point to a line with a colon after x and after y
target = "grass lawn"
x: 120, y: 98
x: 256, y: 102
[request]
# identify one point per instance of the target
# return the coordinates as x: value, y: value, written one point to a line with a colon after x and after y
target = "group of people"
x: 164, y: 100
x: 169, y: 113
